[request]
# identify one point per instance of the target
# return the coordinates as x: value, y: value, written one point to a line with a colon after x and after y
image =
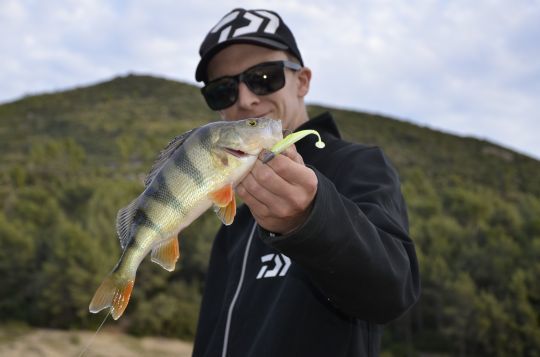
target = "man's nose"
x: 246, y: 98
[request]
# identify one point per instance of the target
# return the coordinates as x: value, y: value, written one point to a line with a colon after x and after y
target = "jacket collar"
x: 325, y: 125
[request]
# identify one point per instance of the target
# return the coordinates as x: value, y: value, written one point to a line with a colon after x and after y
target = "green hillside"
x: 70, y: 160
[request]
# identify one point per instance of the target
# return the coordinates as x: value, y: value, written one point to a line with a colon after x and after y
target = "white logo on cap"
x: 254, y: 24
x: 273, y: 24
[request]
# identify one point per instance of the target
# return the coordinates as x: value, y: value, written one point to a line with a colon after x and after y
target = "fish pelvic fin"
x: 166, y: 254
x: 114, y: 292
x: 226, y: 214
x: 224, y: 204
x: 223, y: 196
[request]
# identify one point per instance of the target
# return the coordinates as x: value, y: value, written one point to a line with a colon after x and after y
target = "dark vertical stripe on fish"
x: 141, y: 219
x: 163, y: 194
x: 185, y: 163
x: 206, y: 138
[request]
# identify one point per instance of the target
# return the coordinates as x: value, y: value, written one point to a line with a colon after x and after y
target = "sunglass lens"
x: 265, y: 79
x: 262, y: 80
x: 221, y: 93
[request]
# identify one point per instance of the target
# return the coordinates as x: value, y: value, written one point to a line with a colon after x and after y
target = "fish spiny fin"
x: 114, y: 293
x: 226, y: 214
x: 223, y: 196
x: 166, y: 254
x: 124, y: 218
x: 165, y: 154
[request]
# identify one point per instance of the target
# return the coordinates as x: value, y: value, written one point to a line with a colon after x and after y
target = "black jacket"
x: 325, y: 289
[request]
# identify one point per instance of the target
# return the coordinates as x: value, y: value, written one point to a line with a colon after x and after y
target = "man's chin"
x: 255, y: 116
x: 270, y: 115
x: 264, y: 115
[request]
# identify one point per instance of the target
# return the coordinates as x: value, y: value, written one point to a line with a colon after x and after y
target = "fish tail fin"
x: 114, y: 292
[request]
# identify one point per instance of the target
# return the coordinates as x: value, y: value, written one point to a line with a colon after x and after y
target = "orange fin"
x: 166, y: 254
x: 114, y: 293
x: 223, y: 196
x: 226, y: 214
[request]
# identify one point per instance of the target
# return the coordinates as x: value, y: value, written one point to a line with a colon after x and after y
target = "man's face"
x: 286, y: 104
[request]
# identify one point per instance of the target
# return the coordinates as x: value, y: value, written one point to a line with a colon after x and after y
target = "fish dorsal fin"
x: 124, y: 218
x: 165, y: 154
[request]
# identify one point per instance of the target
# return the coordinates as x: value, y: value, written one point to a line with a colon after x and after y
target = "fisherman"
x: 319, y: 257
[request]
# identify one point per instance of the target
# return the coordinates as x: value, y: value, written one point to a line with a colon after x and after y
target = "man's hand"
x: 280, y: 192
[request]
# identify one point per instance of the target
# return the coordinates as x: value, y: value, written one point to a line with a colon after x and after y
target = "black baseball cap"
x: 259, y: 27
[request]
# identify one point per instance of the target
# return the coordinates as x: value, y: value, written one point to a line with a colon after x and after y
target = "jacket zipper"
x: 235, y: 297
x: 369, y: 337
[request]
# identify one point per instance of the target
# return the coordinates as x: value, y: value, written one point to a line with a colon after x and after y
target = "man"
x: 319, y: 256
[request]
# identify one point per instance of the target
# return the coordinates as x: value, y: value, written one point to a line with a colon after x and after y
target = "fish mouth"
x: 237, y: 153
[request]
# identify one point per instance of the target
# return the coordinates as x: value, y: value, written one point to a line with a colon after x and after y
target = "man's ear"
x: 304, y: 78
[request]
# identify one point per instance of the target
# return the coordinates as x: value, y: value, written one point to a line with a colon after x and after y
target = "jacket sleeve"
x: 355, y: 244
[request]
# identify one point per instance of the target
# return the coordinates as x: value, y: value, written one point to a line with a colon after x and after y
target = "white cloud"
x: 467, y: 67
x: 456, y: 66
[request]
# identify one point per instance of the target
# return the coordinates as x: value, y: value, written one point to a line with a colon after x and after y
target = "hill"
x: 72, y: 159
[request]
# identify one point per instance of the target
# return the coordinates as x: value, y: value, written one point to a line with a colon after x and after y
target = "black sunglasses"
x: 261, y: 79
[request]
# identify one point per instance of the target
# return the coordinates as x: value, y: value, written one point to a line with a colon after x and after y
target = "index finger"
x: 292, y: 154
x: 265, y: 156
x: 291, y: 170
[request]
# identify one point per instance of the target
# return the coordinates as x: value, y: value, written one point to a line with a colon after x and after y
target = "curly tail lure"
x: 289, y: 140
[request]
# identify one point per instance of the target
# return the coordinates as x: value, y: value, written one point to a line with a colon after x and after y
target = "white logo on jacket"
x: 281, y: 264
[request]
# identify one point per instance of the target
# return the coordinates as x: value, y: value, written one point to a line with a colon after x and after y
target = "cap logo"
x: 254, y: 24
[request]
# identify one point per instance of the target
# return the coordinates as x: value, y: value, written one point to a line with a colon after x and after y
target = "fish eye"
x: 252, y: 123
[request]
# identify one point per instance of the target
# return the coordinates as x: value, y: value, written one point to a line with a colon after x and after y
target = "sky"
x: 470, y: 68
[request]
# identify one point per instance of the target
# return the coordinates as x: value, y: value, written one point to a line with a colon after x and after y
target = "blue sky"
x: 466, y: 67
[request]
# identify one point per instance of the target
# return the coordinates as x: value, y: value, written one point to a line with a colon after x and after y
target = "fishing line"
x: 94, y: 336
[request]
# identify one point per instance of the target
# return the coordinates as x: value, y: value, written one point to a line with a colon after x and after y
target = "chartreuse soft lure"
x: 290, y: 139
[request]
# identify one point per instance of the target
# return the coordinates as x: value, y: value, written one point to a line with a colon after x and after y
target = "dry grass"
x: 56, y: 343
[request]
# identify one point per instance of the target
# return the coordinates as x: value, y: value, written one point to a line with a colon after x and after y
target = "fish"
x: 196, y: 171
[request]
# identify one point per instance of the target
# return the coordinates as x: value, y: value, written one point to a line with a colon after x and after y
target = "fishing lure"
x: 289, y: 140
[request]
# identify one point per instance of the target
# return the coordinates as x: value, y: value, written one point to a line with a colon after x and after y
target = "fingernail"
x: 267, y: 156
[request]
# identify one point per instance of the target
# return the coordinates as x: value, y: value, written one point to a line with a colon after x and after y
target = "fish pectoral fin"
x: 166, y: 254
x: 223, y: 196
x: 226, y: 214
x: 114, y: 292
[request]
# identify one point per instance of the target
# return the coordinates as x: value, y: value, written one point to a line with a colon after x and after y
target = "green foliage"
x: 17, y: 266
x: 71, y: 160
x: 67, y: 277
x: 171, y: 313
